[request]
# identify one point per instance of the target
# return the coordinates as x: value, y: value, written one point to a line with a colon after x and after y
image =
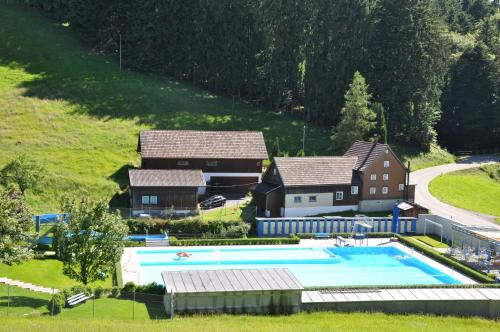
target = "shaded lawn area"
x: 43, y: 272
x: 22, y: 302
x: 471, y: 189
x: 432, y: 241
x: 314, y: 322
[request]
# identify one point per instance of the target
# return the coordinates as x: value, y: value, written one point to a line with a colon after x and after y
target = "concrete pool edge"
x: 130, y: 261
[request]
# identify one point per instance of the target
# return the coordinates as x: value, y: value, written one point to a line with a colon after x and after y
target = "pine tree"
x: 357, y: 119
x: 381, y: 129
x: 409, y: 57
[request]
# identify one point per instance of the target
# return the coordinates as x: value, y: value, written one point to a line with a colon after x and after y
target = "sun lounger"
x: 321, y: 235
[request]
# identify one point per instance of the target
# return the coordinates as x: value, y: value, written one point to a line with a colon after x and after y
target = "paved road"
x: 423, y: 177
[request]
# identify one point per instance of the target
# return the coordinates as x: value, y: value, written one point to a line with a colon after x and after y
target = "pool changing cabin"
x: 258, y: 291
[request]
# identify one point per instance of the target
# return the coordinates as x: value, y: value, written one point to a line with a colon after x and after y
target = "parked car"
x: 212, y: 202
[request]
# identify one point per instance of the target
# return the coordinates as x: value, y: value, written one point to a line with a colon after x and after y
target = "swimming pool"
x: 312, y: 266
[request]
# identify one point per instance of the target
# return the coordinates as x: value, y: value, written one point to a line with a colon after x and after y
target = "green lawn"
x: 22, y: 302
x: 430, y: 241
x: 418, y: 159
x: 42, y: 272
x: 79, y: 116
x: 470, y: 189
x: 319, y: 321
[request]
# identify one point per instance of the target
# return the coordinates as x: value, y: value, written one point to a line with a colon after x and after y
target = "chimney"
x: 375, y: 139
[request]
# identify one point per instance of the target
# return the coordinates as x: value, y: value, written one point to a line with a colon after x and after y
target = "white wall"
x: 315, y: 210
x: 378, y: 204
x: 322, y: 199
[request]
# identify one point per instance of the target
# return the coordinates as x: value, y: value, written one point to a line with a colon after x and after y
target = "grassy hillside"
x: 472, y: 189
x: 75, y: 113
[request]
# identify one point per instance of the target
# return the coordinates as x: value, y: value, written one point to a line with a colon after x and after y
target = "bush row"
x: 374, y: 287
x: 228, y: 242
x: 346, y: 235
x: 58, y: 301
x: 188, y: 226
x: 448, y: 261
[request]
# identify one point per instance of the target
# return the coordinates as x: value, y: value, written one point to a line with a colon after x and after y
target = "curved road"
x: 423, y: 177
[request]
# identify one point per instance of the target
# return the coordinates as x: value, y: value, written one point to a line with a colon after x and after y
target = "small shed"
x: 258, y: 291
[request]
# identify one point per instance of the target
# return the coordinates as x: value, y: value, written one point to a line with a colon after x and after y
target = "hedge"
x: 376, y: 287
x: 188, y: 226
x: 228, y: 242
x: 373, y: 235
x: 450, y: 262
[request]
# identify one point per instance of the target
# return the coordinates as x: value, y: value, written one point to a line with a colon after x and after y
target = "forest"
x: 431, y: 66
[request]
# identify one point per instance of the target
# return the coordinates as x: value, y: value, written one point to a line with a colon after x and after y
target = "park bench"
x: 75, y: 299
x: 321, y: 235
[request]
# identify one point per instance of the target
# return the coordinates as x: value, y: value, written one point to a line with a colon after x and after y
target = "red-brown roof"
x: 166, y: 178
x: 315, y: 171
x: 367, y: 153
x: 202, y: 144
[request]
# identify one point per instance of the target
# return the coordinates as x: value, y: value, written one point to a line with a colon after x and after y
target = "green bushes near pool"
x: 450, y: 262
x: 228, y: 242
x: 189, y: 227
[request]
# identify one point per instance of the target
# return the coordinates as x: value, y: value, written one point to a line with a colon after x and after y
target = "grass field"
x: 430, y: 241
x: 304, y: 322
x: 79, y: 116
x: 471, y: 189
x: 43, y: 272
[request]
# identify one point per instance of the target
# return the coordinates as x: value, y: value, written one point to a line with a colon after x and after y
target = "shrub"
x: 129, y: 287
x: 223, y: 242
x: 115, y: 292
x: 373, y: 235
x: 448, y: 261
x: 151, y: 288
x: 56, y: 303
x: 99, y: 292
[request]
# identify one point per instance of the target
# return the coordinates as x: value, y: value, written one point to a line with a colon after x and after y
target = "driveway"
x: 423, y: 177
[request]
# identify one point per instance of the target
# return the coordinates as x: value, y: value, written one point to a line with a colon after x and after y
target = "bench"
x: 75, y: 299
x: 321, y: 235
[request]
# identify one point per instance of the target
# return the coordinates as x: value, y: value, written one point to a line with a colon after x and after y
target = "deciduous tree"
x: 91, y: 241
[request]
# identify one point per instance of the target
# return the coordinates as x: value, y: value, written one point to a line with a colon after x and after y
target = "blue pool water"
x: 340, y: 266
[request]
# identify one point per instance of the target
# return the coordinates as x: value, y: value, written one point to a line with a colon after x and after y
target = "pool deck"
x: 452, y: 301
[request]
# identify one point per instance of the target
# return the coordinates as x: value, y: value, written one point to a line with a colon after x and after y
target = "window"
x: 385, y: 177
x: 182, y: 163
x: 297, y: 199
x: 339, y: 195
x: 401, y: 186
x: 386, y: 163
x: 275, y: 172
x: 153, y: 200
x: 373, y: 177
x: 385, y: 190
x: 373, y: 190
x: 313, y: 199
x: 258, y: 163
x: 354, y: 190
x: 386, y: 151
x: 212, y: 163
x: 145, y: 199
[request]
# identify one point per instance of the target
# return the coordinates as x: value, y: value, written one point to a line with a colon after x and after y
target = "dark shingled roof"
x: 367, y: 153
x: 202, y: 144
x: 166, y: 178
x: 315, y: 171
x: 231, y: 280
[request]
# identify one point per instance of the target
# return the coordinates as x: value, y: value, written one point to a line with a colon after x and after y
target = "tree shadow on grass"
x: 121, y: 199
x: 22, y: 301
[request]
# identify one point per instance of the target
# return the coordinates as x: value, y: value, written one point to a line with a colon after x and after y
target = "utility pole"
x: 120, y: 46
x: 304, y: 140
